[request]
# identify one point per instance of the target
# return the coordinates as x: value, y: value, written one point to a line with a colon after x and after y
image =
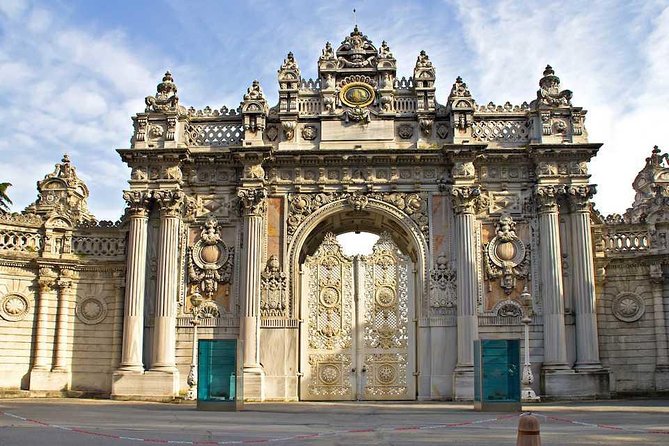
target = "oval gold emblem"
x: 357, y: 94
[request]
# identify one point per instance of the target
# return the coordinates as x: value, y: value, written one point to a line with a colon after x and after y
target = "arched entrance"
x: 358, y: 313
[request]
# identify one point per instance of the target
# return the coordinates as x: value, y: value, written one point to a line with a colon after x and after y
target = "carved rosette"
x: 579, y: 197
x: 170, y: 202
x: 210, y: 260
x: 506, y: 256
x: 546, y: 197
x: 252, y: 201
x: 443, y: 291
x: 14, y: 307
x: 273, y: 285
x: 466, y: 199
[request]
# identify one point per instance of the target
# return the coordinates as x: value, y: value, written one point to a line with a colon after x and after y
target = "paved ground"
x: 56, y: 422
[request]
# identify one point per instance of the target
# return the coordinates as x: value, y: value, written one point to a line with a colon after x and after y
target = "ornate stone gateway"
x: 358, y: 342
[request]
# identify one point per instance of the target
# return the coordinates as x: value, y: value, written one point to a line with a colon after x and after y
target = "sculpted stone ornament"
x: 166, y: 99
x: 274, y: 285
x: 465, y: 199
x: 443, y: 290
x: 210, y: 260
x: 356, y: 51
x: 579, y: 197
x: 252, y: 201
x: 549, y: 93
x: 170, y: 201
x: 546, y: 197
x: 61, y: 193
x: 506, y: 256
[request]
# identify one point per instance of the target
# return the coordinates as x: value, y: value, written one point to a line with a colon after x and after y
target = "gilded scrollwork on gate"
x: 330, y: 302
x: 386, y: 321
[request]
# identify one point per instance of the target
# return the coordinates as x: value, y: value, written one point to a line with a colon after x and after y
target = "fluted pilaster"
x: 165, y: 318
x: 253, y: 207
x: 133, y: 313
x: 587, y: 343
x: 64, y: 285
x: 46, y: 283
x: 555, y: 348
x: 464, y: 203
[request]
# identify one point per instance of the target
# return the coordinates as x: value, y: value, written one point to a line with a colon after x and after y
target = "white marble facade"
x: 474, y: 204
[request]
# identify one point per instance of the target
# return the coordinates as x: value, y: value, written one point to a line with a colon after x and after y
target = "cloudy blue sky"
x: 73, y: 72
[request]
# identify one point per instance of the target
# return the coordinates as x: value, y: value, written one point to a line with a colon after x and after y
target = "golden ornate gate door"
x: 358, y: 338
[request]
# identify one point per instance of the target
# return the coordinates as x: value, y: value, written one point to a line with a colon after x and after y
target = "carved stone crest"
x: 210, y: 260
x: 506, y: 256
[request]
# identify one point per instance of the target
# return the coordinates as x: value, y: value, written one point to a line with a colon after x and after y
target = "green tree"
x: 4, y: 198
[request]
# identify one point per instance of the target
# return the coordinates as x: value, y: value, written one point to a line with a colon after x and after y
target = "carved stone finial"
x: 459, y: 89
x: 549, y: 93
x: 166, y: 99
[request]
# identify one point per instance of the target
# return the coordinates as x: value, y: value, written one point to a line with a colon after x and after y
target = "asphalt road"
x: 25, y: 422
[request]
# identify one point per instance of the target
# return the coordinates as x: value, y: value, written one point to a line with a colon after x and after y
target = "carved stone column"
x: 42, y: 358
x: 555, y: 348
x: 253, y: 207
x: 164, y: 334
x: 587, y: 342
x: 135, y: 279
x: 464, y: 201
x: 64, y: 285
x: 662, y: 352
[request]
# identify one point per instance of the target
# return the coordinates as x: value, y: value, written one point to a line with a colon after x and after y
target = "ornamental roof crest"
x: 356, y: 51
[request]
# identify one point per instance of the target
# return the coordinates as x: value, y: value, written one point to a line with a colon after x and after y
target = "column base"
x: 253, y: 384
x: 49, y: 380
x: 148, y: 386
x: 575, y: 384
x: 463, y: 384
x: 662, y: 378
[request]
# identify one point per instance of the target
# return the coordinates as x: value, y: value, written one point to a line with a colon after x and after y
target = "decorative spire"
x: 549, y: 93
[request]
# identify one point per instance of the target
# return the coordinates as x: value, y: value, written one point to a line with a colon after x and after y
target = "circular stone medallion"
x: 91, y: 310
x: 357, y: 94
x: 628, y: 307
x: 14, y: 307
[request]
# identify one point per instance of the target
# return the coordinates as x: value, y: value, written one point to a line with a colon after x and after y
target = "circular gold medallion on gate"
x: 357, y: 94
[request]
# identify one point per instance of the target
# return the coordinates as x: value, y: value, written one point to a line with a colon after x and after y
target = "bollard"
x: 529, y: 433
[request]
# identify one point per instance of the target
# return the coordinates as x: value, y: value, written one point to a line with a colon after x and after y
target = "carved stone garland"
x: 506, y: 256
x: 210, y: 260
x: 443, y: 292
x: 273, y: 284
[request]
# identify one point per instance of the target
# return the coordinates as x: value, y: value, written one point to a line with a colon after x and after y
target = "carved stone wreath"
x: 628, y: 307
x: 14, y: 307
x: 91, y: 310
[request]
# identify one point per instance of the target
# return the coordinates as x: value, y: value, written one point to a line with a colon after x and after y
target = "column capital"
x: 138, y: 202
x: 578, y: 197
x: 546, y: 197
x: 465, y: 199
x: 252, y: 201
x: 170, y: 202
